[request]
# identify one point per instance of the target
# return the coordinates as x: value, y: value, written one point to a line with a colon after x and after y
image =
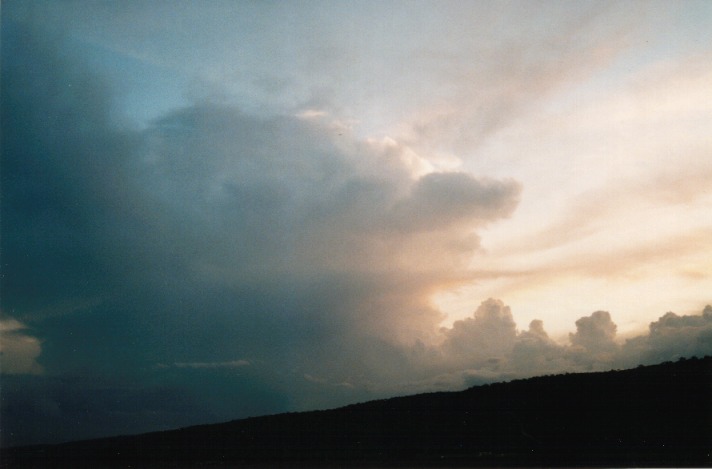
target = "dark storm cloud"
x: 59, y: 161
x: 214, y: 238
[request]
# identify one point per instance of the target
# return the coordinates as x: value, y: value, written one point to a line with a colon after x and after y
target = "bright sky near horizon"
x: 301, y: 204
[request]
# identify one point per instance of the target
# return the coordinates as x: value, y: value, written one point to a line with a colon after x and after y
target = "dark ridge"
x: 657, y: 415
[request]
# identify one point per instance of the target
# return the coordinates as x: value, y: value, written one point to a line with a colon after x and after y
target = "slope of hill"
x: 657, y: 415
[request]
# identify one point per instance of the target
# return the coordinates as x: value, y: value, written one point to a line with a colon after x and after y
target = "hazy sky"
x: 213, y: 210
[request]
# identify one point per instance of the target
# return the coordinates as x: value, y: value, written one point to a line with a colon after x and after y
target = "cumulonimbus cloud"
x: 284, y: 239
x: 217, y: 234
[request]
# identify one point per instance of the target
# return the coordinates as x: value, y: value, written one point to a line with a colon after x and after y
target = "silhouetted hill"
x: 649, y: 416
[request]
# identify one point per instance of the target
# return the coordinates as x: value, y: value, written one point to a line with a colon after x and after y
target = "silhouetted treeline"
x: 657, y: 415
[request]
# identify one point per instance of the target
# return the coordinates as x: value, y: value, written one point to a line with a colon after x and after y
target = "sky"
x: 216, y: 210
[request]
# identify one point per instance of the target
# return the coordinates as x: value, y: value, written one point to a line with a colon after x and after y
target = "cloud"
x: 593, y: 343
x: 488, y: 86
x: 440, y: 200
x: 214, y: 234
x: 454, y: 73
x: 625, y: 220
x: 213, y: 365
x: 61, y: 162
x: 672, y: 337
x: 488, y: 347
x: 312, y: 114
x: 535, y: 350
x: 298, y: 212
x: 489, y: 334
x: 18, y: 349
x: 594, y: 332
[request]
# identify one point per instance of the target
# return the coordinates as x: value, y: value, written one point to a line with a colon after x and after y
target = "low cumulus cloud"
x: 670, y: 337
x: 489, y: 347
x: 489, y: 335
x: 594, y: 339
